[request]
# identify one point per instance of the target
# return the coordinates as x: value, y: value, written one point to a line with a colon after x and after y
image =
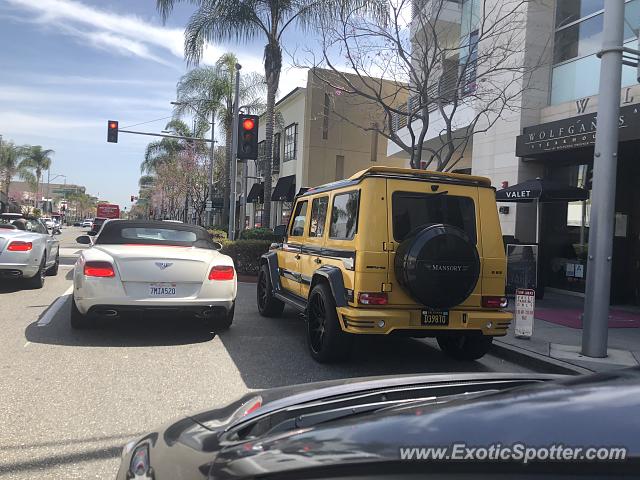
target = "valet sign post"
x: 525, y: 309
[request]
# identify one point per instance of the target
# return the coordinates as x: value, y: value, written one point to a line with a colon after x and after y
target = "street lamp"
x: 212, y: 151
x: 49, y: 183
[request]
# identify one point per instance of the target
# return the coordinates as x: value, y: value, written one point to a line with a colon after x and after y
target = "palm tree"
x: 12, y: 163
x: 210, y: 90
x: 38, y: 159
x: 232, y: 20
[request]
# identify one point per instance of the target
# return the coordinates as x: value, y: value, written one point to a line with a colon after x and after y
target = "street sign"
x: 525, y: 311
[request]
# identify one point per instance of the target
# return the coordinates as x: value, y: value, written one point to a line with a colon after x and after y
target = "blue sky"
x: 68, y: 66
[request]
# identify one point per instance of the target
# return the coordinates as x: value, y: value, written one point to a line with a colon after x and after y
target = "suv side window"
x: 344, y: 215
x: 299, y: 217
x: 318, y: 216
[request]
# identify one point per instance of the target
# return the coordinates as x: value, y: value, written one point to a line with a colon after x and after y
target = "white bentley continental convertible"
x: 150, y: 266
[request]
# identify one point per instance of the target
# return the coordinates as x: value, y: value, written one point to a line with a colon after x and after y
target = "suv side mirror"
x: 280, y: 231
x: 84, y: 239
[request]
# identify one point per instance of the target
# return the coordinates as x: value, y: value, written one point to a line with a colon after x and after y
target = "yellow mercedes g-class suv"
x: 392, y: 251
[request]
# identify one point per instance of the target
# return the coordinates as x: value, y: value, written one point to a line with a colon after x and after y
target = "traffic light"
x: 112, y: 131
x: 248, y: 137
x: 132, y: 197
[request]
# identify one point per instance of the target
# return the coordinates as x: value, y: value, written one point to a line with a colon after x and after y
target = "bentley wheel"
x: 268, y: 305
x: 78, y: 320
x: 53, y: 271
x: 37, y: 281
x: 325, y: 338
x: 465, y: 347
x: 224, y: 321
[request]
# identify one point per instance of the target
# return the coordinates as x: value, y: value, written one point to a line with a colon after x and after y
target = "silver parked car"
x: 27, y: 250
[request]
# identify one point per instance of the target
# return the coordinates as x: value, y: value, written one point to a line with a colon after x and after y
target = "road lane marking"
x: 27, y: 344
x: 55, y: 308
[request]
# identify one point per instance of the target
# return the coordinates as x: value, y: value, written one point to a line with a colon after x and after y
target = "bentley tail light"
x: 17, y: 246
x: 221, y: 272
x: 494, y: 302
x: 99, y: 269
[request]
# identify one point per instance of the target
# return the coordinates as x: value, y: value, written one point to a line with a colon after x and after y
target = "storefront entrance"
x: 565, y: 227
x: 565, y: 148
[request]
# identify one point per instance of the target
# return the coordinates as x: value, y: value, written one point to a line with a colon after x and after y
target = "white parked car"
x: 87, y: 222
x: 138, y: 266
x: 27, y: 250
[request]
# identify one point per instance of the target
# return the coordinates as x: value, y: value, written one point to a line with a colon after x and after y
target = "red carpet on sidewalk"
x: 571, y: 317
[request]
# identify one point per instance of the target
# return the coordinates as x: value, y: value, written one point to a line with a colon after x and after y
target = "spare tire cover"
x: 438, y: 265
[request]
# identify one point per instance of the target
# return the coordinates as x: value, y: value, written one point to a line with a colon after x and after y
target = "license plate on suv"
x: 160, y: 290
x: 435, y: 317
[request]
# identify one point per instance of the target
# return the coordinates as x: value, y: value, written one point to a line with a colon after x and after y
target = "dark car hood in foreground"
x: 598, y: 410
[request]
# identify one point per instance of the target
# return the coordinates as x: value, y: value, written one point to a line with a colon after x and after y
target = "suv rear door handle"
x: 317, y: 260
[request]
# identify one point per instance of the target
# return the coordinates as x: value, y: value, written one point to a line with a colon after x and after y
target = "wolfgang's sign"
x: 574, y: 132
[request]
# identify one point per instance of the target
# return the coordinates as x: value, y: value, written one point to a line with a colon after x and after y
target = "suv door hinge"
x: 388, y: 246
x: 386, y: 287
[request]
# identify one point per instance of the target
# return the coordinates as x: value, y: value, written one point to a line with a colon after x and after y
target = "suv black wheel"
x: 37, y: 281
x: 224, y: 321
x: 465, y: 346
x: 326, y: 340
x: 78, y: 320
x: 53, y: 271
x: 268, y: 305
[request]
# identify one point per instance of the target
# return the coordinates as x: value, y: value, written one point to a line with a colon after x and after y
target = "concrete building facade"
x: 314, y: 144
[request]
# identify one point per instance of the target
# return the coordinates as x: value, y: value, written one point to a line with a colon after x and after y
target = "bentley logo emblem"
x: 163, y: 265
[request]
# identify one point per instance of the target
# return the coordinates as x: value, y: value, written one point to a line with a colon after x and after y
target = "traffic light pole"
x: 603, y: 194
x: 234, y: 157
x: 211, y: 160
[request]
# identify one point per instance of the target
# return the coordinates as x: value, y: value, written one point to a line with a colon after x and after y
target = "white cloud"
x: 34, y: 95
x: 128, y: 34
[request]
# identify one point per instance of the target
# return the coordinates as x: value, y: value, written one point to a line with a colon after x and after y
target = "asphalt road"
x: 70, y: 399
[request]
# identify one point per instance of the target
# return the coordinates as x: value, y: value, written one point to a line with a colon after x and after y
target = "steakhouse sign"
x: 574, y: 132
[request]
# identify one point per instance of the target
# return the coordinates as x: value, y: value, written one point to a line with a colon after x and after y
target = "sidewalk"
x: 557, y: 336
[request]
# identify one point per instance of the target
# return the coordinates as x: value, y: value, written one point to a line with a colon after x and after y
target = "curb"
x: 541, y: 363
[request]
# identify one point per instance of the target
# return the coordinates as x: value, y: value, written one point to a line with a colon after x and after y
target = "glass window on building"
x: 290, y: 142
x: 578, y: 37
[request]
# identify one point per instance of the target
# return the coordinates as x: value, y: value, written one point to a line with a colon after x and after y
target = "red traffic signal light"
x: 112, y: 131
x: 248, y: 137
x: 248, y: 124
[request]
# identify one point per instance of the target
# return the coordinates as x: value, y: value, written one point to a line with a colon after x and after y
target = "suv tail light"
x: 373, y: 298
x: 494, y: 302
x: 99, y: 269
x: 17, y: 246
x: 221, y: 272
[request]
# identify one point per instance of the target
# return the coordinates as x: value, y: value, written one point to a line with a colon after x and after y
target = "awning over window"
x: 285, y: 189
x: 256, y: 194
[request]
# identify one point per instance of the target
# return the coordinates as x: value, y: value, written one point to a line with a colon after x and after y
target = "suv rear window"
x: 412, y: 210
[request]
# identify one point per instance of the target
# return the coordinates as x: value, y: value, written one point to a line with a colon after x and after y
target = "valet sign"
x: 525, y: 310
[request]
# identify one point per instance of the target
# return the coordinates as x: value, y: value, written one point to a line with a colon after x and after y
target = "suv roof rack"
x: 426, y: 174
x: 401, y: 173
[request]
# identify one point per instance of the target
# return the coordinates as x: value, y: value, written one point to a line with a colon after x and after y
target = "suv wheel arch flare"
x: 438, y: 265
